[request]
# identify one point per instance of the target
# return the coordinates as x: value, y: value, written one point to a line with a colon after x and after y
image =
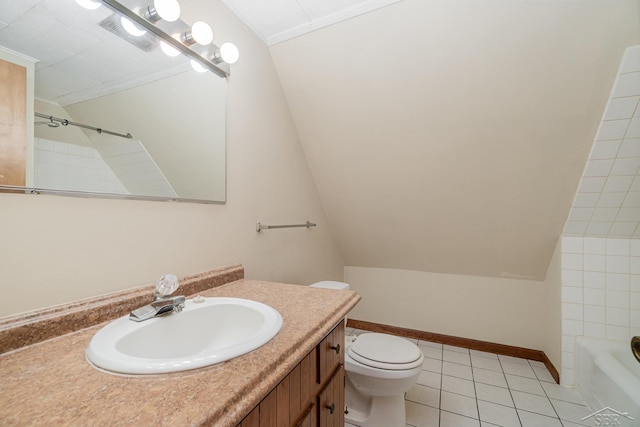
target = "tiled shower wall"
x: 600, y: 292
x: 607, y: 203
x: 601, y: 239
x: 119, y: 168
x: 65, y: 166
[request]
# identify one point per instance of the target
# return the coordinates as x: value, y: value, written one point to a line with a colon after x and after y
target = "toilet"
x: 379, y: 369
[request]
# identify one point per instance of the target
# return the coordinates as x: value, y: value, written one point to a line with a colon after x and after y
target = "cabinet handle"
x: 336, y: 348
x: 331, y: 408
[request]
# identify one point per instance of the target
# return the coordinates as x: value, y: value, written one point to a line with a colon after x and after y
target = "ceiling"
x: 275, y: 21
x: 451, y: 136
x: 77, y: 59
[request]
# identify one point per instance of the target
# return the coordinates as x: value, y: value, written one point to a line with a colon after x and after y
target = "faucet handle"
x: 178, y: 304
x: 166, y: 285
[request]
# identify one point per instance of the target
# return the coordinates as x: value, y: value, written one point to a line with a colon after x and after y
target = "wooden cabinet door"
x: 13, y: 126
x: 331, y: 402
x: 295, y: 402
x: 331, y: 353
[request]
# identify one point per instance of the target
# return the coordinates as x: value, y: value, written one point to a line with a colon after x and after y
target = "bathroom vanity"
x: 312, y: 394
x: 296, y: 379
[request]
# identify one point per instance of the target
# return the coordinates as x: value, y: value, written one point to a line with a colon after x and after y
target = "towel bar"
x: 260, y: 227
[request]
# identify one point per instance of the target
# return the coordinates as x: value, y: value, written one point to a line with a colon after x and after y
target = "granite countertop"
x: 51, y: 383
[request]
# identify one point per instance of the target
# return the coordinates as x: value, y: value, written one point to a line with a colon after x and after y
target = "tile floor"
x: 459, y: 387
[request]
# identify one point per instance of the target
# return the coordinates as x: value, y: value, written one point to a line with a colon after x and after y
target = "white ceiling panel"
x: 63, y: 38
x: 275, y: 21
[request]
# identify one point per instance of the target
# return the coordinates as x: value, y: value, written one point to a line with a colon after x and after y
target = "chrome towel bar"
x: 260, y: 227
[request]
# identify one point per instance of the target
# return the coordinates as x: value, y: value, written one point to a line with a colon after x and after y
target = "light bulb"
x: 89, y: 4
x: 229, y: 53
x: 197, y: 66
x: 202, y: 33
x: 169, y: 10
x: 131, y: 28
x: 169, y: 50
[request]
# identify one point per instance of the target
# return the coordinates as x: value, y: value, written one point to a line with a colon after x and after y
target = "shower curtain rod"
x: 65, y: 122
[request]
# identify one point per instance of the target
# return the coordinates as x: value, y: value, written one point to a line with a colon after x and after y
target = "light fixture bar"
x: 218, y: 69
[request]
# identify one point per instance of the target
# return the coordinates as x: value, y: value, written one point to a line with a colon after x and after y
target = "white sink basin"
x: 203, y: 334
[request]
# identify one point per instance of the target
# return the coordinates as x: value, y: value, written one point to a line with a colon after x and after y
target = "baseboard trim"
x: 507, y: 350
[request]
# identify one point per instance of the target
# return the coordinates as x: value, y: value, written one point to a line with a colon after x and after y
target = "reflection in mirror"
x: 85, y: 75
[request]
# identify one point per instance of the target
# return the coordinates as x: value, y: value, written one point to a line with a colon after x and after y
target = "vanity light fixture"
x: 162, y: 20
x: 169, y: 10
x: 200, y: 33
x: 228, y: 53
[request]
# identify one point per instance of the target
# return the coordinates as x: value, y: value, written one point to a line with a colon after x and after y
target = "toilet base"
x: 374, y: 411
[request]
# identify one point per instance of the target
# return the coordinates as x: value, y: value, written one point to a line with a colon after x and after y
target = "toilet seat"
x: 384, y: 351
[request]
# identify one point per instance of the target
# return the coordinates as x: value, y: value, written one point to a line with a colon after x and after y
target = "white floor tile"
x: 432, y: 365
x: 458, y: 404
x: 458, y: 386
x: 485, y: 363
x: 521, y: 369
x: 493, y: 394
x: 489, y: 377
x: 498, y: 414
x: 562, y: 392
x: 542, y: 373
x: 456, y: 357
x: 424, y: 396
x: 457, y: 370
x: 483, y: 354
x: 454, y: 348
x: 511, y: 359
x: 432, y: 352
x: 528, y: 385
x: 533, y: 403
x: 430, y: 379
x: 529, y: 419
x: 571, y: 412
x: 430, y: 344
x: 537, y: 363
x: 467, y: 388
x: 566, y: 423
x: 422, y: 416
x: 449, y: 419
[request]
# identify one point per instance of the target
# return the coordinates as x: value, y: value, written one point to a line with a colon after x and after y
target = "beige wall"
x: 58, y: 249
x: 450, y: 136
x: 552, y: 345
x: 179, y: 120
x: 505, y: 311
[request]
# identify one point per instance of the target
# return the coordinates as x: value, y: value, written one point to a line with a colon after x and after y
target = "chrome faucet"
x: 162, y: 303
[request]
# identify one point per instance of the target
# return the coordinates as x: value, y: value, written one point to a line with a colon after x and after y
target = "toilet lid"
x: 385, y: 352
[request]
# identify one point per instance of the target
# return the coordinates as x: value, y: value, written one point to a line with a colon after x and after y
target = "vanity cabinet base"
x: 311, y: 395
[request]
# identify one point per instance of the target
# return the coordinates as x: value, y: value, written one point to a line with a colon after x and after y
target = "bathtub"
x: 607, y: 375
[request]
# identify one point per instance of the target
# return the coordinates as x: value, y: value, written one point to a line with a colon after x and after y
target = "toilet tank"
x: 328, y: 284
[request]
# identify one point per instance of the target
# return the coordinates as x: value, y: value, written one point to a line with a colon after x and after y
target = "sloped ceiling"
x: 450, y: 136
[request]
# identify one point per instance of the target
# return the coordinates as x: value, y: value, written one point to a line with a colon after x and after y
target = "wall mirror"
x: 149, y: 126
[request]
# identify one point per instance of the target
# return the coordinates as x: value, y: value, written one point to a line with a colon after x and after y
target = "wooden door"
x: 13, y: 134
